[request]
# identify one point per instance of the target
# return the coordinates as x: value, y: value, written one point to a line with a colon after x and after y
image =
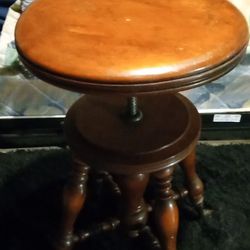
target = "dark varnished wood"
x: 166, y: 210
x: 131, y: 48
x: 133, y: 208
x: 73, y: 200
x: 160, y: 46
x: 193, y: 181
x: 166, y: 135
x: 103, y: 227
x: 168, y: 132
x: 173, y: 85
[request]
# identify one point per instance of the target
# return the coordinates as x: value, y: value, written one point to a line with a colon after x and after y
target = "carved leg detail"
x: 166, y: 211
x: 194, y: 183
x: 134, y: 210
x: 73, y: 200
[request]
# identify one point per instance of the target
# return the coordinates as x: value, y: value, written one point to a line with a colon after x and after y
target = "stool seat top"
x: 130, y: 46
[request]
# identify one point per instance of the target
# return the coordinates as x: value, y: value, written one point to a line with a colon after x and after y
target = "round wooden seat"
x: 131, y: 46
x: 124, y: 147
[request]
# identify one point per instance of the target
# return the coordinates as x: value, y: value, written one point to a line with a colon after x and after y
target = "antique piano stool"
x: 131, y: 58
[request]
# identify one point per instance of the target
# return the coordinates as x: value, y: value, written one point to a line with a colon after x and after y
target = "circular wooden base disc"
x: 100, y: 134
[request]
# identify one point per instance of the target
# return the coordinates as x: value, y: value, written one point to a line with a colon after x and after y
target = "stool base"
x: 133, y: 154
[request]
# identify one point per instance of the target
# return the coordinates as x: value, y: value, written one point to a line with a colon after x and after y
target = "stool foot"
x: 166, y: 211
x: 194, y: 183
x: 73, y: 200
x: 133, y: 209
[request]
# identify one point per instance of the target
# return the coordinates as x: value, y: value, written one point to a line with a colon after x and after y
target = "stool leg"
x: 134, y: 210
x: 194, y: 183
x: 166, y: 213
x: 73, y: 200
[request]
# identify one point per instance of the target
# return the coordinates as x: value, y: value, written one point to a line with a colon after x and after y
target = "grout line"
x: 224, y: 142
x: 7, y: 150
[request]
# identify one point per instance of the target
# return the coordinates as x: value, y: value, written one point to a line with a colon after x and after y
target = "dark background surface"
x: 36, y: 132
x: 4, y: 5
x: 31, y: 186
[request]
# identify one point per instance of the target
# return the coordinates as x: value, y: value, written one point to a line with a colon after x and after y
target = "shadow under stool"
x: 131, y: 58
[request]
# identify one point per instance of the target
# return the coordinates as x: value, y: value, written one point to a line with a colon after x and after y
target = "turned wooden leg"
x: 134, y: 210
x: 73, y: 199
x: 194, y: 184
x: 166, y: 211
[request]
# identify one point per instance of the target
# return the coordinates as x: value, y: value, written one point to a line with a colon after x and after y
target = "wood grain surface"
x: 129, y: 42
